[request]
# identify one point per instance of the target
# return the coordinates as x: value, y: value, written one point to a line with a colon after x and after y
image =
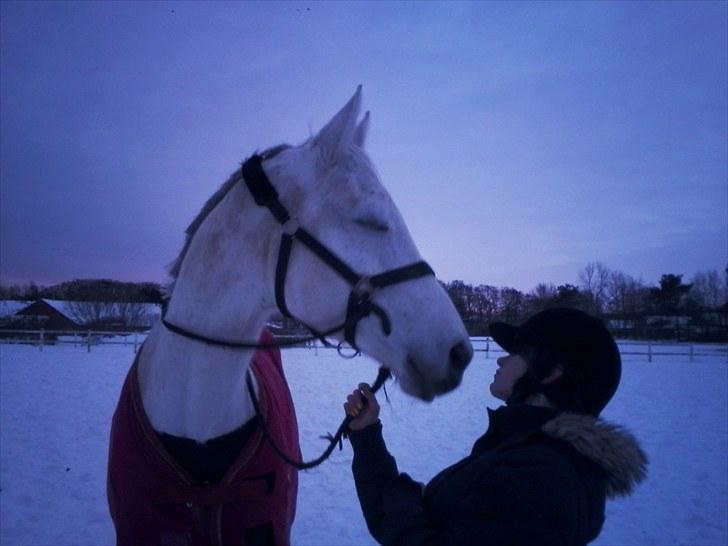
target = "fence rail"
x: 639, y: 350
x: 647, y: 350
x: 78, y: 338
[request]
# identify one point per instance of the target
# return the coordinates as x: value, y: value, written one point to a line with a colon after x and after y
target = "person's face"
x: 510, y: 369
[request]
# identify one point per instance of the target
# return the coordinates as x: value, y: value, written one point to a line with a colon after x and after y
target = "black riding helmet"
x: 580, y: 343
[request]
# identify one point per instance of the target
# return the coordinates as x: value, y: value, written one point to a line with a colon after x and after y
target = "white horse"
x: 224, y: 286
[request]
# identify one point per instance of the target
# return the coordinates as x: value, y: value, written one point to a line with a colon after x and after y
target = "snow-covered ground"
x: 56, y: 406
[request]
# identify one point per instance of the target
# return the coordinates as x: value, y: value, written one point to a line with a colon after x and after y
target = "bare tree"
x: 488, y: 302
x: 99, y: 313
x: 132, y: 314
x: 708, y: 290
x: 594, y: 281
x: 512, y: 305
x: 89, y: 312
x: 541, y: 296
x: 624, y: 294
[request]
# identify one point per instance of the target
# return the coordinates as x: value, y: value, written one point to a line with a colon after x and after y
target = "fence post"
x: 88, y: 341
x: 691, y: 352
x: 487, y: 348
x: 135, y: 342
x: 42, y: 338
x: 649, y: 351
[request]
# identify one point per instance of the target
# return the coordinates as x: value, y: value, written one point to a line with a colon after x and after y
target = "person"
x: 544, y: 468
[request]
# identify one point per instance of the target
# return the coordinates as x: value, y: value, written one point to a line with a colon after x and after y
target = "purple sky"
x: 520, y: 141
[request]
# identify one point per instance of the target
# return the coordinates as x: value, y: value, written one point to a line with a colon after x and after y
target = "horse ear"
x: 339, y: 132
x: 360, y: 135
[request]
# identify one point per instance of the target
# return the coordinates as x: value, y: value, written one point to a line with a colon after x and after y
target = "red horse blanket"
x: 153, y: 501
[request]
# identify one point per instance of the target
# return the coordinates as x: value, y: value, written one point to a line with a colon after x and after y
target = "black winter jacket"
x: 535, y: 477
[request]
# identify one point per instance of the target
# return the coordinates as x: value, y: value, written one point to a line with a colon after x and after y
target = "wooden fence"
x: 635, y: 350
x: 78, y: 338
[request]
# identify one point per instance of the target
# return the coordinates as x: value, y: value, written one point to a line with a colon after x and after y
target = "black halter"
x: 359, y: 304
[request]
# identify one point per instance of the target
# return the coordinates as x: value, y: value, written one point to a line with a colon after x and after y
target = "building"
x: 41, y: 314
x: 78, y: 315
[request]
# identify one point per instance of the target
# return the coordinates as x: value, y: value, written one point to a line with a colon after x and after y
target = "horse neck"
x: 224, y: 290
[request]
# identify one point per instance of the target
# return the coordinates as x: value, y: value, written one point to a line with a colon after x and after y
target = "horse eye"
x: 372, y: 224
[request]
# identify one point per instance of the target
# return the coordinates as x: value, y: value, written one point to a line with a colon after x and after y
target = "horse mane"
x: 212, y: 202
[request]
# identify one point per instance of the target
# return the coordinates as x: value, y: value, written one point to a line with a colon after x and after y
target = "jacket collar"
x: 611, y: 447
x: 508, y: 422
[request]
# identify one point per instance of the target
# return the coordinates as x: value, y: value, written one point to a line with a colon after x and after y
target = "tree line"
x: 87, y: 290
x: 92, y: 303
x: 673, y: 308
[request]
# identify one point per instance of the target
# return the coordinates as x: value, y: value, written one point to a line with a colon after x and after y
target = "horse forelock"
x: 208, y: 207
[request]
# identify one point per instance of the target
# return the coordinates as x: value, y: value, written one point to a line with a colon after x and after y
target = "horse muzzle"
x: 426, y: 386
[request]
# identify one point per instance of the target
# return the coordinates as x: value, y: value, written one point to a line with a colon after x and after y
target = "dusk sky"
x: 520, y: 141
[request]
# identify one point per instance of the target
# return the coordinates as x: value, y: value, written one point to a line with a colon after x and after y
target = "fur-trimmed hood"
x: 611, y: 447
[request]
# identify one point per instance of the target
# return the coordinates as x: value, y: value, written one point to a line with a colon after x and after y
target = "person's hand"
x: 362, y: 405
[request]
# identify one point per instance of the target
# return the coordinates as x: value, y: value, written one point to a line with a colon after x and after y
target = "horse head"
x: 329, y: 185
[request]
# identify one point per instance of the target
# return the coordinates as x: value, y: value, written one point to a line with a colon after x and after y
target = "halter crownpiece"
x: 261, y: 189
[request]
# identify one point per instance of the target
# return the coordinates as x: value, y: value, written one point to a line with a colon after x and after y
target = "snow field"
x: 56, y: 407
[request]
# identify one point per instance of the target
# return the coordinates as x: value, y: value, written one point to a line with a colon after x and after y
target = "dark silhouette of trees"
x: 672, y: 309
x: 96, y: 290
x: 670, y: 296
x: 695, y: 310
x: 594, y: 280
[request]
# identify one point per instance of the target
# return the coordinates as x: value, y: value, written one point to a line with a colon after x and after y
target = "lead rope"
x: 382, y: 376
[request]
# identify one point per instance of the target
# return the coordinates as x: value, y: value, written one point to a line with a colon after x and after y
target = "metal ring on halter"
x: 340, y: 349
x: 363, y: 287
x: 290, y: 227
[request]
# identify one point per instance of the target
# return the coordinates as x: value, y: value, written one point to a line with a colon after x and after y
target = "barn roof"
x: 9, y: 307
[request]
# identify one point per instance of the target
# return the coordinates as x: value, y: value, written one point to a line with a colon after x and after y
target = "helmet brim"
x: 504, y: 335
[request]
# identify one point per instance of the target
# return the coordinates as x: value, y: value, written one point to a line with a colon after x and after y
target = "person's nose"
x: 499, y: 361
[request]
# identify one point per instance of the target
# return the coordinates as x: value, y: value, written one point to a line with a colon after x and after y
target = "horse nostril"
x: 461, y: 354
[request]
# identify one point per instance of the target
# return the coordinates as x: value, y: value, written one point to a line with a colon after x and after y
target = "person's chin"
x: 495, y: 392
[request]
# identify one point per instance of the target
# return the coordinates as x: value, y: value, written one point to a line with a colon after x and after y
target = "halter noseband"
x: 359, y: 304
